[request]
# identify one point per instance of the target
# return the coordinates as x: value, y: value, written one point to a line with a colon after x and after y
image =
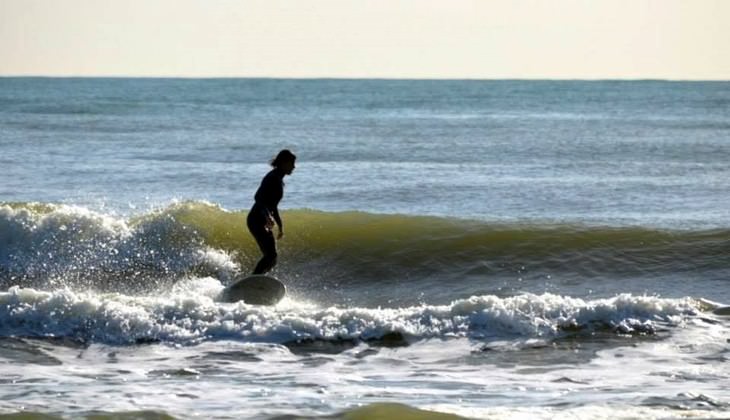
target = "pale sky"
x: 474, y: 39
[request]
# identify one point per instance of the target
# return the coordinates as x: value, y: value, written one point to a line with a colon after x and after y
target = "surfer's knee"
x: 271, y: 257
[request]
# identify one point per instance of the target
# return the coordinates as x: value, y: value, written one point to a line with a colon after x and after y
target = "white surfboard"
x: 257, y: 289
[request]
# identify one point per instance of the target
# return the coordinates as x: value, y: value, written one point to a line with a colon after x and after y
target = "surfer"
x: 265, y: 212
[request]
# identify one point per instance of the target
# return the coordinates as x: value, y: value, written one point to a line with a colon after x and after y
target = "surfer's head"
x: 284, y: 161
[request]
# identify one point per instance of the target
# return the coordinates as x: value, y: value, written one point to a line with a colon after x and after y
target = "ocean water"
x: 477, y: 249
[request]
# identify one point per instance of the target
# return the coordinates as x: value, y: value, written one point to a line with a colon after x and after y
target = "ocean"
x: 452, y: 249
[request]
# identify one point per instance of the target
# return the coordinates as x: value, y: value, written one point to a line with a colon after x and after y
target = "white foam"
x: 70, y: 242
x: 594, y: 412
x: 189, y: 314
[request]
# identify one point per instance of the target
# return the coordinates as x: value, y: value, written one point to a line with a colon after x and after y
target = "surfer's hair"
x: 284, y: 156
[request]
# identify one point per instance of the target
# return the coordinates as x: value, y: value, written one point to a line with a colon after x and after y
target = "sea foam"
x: 190, y: 314
x: 50, y: 246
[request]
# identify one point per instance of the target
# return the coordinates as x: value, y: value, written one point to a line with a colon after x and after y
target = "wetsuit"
x: 267, y: 199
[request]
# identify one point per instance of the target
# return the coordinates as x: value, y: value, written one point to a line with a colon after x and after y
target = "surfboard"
x: 257, y: 289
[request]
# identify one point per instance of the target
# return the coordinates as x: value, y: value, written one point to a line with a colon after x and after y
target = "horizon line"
x: 350, y: 78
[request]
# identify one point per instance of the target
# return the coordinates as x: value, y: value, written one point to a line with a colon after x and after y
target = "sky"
x: 452, y: 39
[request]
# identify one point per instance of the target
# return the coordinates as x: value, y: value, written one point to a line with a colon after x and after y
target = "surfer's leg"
x: 265, y: 239
x: 267, y: 244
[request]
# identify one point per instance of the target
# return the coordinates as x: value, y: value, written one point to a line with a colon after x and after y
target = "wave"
x: 49, y: 245
x: 189, y: 314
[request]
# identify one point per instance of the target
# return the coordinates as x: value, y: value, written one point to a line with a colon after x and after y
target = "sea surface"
x: 476, y: 249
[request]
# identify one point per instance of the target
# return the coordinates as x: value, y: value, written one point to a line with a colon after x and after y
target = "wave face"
x: 67, y: 243
x: 57, y: 245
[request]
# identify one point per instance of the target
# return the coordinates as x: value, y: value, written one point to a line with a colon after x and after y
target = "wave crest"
x: 47, y: 245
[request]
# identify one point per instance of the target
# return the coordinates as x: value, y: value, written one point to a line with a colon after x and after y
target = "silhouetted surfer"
x: 265, y: 212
